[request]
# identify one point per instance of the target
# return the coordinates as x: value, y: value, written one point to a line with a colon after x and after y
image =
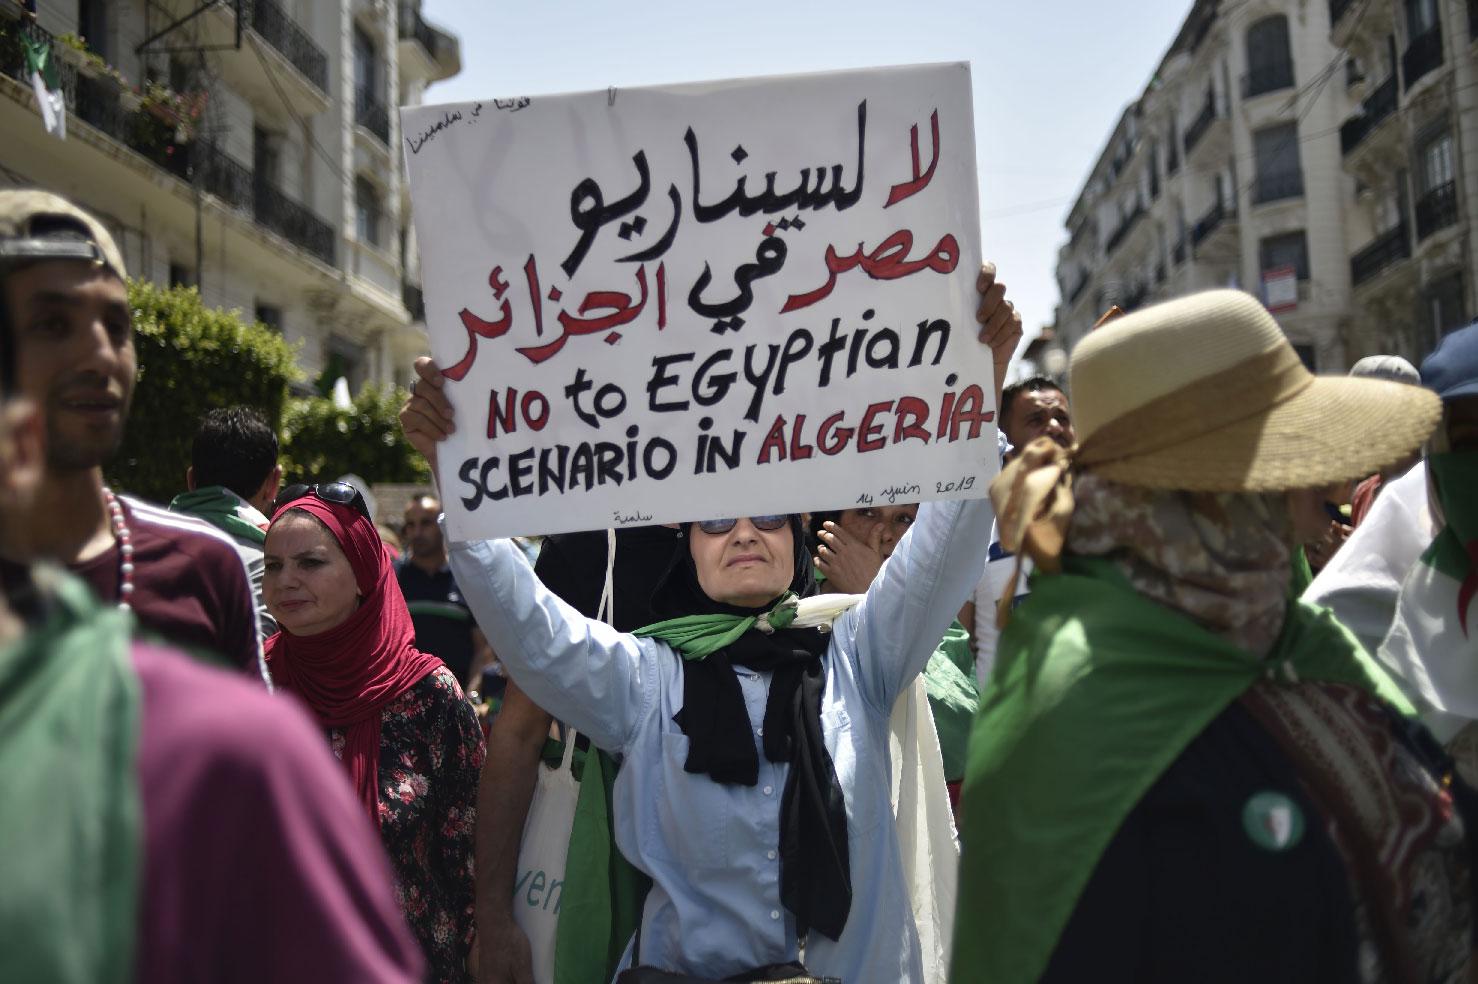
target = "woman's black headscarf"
x: 815, y: 871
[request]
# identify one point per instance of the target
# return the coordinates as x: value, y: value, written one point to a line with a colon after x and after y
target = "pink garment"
x: 257, y: 863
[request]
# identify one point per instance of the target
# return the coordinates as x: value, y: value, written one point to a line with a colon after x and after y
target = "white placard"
x: 694, y: 301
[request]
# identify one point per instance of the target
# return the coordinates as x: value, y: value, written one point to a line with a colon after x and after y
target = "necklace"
x: 125, y: 547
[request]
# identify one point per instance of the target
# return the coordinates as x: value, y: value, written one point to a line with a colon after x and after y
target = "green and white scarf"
x: 225, y: 510
x: 1432, y: 646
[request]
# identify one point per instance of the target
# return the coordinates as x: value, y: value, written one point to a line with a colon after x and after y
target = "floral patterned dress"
x: 431, y: 754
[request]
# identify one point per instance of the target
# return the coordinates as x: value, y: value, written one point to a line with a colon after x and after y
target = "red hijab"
x: 350, y: 672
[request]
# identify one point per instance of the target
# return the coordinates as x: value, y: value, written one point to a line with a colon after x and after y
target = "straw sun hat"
x: 1205, y: 394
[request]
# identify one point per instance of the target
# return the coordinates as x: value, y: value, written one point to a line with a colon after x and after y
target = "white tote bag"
x: 541, y: 860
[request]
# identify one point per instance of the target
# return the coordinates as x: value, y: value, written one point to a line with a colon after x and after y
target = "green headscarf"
x: 71, y: 832
x: 1096, y: 692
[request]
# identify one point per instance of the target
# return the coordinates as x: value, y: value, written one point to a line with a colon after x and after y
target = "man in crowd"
x: 1033, y: 408
x: 66, y: 301
x: 444, y: 626
x: 233, y: 478
x: 167, y: 821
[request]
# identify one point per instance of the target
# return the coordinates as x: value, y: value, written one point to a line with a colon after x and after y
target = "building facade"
x: 1239, y: 166
x: 1410, y: 149
x: 248, y: 147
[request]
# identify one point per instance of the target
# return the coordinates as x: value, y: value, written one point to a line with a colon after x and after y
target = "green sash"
x: 1096, y: 692
x: 70, y: 832
x: 603, y: 893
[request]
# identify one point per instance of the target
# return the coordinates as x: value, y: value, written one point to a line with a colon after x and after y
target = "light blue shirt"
x: 712, y: 849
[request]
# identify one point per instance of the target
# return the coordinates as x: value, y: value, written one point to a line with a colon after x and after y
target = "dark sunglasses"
x: 719, y: 526
x: 339, y: 493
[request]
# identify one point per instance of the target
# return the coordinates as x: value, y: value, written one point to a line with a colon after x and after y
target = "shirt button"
x: 770, y: 855
x: 774, y: 913
x: 760, y: 731
x: 769, y: 790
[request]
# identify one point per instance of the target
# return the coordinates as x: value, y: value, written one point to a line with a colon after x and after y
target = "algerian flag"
x: 1433, y: 642
x: 47, y: 85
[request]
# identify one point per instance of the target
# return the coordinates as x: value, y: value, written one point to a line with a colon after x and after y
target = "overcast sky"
x: 1051, y: 78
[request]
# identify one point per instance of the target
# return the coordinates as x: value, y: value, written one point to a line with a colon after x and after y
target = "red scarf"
x: 349, y: 673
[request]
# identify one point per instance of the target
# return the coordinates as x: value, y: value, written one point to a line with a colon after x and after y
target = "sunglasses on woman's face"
x: 339, y: 493
x: 719, y: 526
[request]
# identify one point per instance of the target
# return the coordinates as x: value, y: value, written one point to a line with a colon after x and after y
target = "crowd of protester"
x: 1193, y: 695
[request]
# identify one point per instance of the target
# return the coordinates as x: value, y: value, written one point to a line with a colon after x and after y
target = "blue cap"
x: 1452, y: 368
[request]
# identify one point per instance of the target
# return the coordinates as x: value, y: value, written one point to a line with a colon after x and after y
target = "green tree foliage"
x: 192, y: 359
x: 322, y: 442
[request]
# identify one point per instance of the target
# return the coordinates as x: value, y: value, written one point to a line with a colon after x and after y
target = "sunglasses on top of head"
x: 766, y: 523
x: 339, y: 493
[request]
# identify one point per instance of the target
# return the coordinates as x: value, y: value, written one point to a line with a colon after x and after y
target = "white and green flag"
x: 1433, y: 642
x: 46, y: 82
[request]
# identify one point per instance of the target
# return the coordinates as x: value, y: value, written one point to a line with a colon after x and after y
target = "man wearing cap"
x: 164, y: 821
x: 1177, y: 773
x: 66, y: 302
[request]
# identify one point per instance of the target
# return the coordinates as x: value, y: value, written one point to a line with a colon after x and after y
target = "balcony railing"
x: 1200, y: 124
x: 1377, y: 106
x: 1267, y: 78
x: 1422, y: 55
x: 1473, y: 20
x: 1435, y: 210
x: 1135, y: 296
x: 1209, y: 222
x: 1337, y: 9
x: 1178, y: 254
x: 96, y: 102
x: 414, y: 28
x: 1384, y: 251
x: 1160, y: 272
x: 1117, y: 236
x: 1276, y: 187
x: 371, y: 114
x: 279, y: 30
x: 293, y: 221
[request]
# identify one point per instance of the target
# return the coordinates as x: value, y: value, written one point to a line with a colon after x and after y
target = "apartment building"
x: 249, y: 147
x: 1225, y: 171
x: 1410, y: 149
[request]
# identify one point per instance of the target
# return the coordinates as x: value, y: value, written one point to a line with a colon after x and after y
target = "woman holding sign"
x: 753, y: 725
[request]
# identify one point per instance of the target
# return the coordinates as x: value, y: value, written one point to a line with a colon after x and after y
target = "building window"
x: 1436, y: 203
x: 181, y: 275
x: 1421, y: 17
x: 1288, y: 250
x: 367, y: 214
x: 1279, y: 174
x: 266, y: 156
x: 366, y: 64
x: 1269, y: 60
x: 92, y: 25
x: 1445, y: 309
x: 270, y: 315
x: 1436, y: 160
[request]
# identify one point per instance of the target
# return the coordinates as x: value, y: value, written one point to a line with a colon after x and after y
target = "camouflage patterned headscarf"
x: 1221, y: 559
